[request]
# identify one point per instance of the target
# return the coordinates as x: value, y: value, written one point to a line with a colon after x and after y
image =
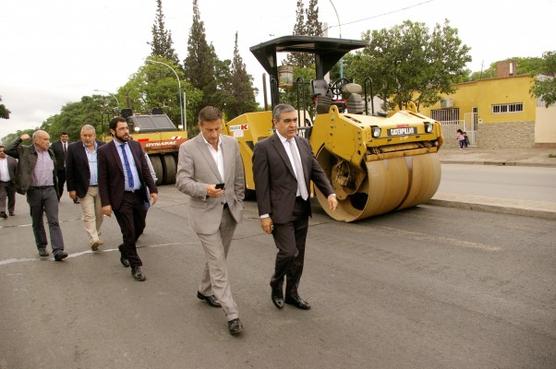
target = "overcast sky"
x: 55, y: 51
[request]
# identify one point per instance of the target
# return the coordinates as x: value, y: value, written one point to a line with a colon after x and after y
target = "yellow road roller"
x: 376, y: 163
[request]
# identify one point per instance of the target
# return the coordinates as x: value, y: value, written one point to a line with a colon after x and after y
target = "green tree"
x: 95, y: 110
x: 313, y: 27
x: 544, y: 86
x: 11, y: 137
x: 300, y: 60
x: 524, y: 65
x: 161, y: 44
x: 241, y: 85
x: 4, y: 112
x: 408, y: 64
x: 200, y: 64
x: 155, y: 85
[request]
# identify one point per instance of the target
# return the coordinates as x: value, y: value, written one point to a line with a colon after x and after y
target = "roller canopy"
x: 327, y: 51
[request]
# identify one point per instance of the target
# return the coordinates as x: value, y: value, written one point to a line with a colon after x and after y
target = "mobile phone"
x: 219, y: 186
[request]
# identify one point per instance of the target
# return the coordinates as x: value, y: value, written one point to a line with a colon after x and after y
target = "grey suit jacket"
x: 275, y: 182
x: 197, y: 169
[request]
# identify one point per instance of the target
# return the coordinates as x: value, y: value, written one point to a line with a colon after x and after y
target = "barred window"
x: 507, y: 108
x: 445, y: 115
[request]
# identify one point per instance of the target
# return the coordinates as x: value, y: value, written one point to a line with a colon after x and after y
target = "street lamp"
x: 182, y: 104
x: 340, y: 27
x: 112, y: 95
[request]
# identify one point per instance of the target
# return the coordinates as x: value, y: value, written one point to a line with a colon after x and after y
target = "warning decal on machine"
x: 237, y: 129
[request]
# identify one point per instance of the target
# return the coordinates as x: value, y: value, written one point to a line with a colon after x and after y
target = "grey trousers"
x: 44, y: 200
x: 215, y: 275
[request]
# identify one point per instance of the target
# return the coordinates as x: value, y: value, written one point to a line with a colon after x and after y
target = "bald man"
x: 36, y: 177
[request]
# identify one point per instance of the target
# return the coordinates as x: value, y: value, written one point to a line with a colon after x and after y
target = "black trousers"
x: 131, y: 218
x: 290, y: 240
x: 61, y: 175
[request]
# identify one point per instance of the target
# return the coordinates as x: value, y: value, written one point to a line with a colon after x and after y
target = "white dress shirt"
x: 217, y: 155
x: 4, y: 172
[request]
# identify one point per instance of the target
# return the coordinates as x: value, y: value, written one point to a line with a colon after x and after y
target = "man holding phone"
x: 210, y: 171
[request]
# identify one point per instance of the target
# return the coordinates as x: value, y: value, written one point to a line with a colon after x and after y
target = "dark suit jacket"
x: 59, y: 154
x: 275, y: 182
x: 27, y: 156
x: 111, y: 180
x: 78, y: 174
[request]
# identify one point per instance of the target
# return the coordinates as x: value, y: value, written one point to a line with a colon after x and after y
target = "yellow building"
x: 496, y: 112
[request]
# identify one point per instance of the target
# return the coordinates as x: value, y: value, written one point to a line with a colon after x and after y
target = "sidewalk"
x: 506, y: 157
x: 540, y: 157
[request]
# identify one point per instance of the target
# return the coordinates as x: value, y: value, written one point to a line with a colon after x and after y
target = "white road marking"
x: 77, y: 254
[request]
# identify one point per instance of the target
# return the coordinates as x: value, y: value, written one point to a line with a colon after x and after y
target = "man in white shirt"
x: 210, y: 171
x: 8, y: 167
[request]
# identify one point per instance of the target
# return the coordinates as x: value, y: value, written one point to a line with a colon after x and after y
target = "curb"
x: 499, y: 163
x: 529, y: 212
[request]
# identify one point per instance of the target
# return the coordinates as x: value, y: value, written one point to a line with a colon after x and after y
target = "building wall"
x: 496, y: 130
x: 545, y: 125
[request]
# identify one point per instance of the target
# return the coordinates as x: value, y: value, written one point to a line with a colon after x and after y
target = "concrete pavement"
x: 535, y: 157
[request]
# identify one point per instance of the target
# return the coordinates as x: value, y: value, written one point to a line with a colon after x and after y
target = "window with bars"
x: 507, y: 108
x: 445, y: 115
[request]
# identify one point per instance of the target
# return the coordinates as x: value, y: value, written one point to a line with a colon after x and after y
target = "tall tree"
x: 242, y: 91
x: 313, y: 26
x: 300, y: 60
x: 545, y: 84
x: 201, y: 61
x: 4, y: 112
x: 408, y: 64
x: 161, y: 44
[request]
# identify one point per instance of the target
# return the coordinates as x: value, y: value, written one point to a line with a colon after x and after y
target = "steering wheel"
x: 336, y: 87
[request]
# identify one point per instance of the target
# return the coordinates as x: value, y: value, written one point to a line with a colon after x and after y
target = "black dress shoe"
x: 137, y: 273
x: 3, y: 215
x: 210, y: 299
x: 60, y: 255
x: 277, y: 297
x: 235, y: 327
x: 42, y: 252
x: 124, y: 261
x: 12, y: 214
x: 298, y: 302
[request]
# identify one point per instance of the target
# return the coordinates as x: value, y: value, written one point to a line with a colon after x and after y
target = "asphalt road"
x: 514, y: 182
x: 428, y: 287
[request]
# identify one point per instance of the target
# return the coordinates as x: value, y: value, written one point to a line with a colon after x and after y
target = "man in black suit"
x: 283, y: 166
x: 8, y: 167
x: 124, y: 177
x: 82, y: 178
x: 60, y: 149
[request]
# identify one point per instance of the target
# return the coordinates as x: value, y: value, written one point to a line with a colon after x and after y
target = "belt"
x: 41, y: 187
x: 93, y: 185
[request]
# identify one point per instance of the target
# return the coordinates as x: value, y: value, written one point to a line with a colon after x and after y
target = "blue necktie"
x: 127, y: 168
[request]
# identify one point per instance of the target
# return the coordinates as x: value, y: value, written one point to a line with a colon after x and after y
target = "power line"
x: 383, y: 14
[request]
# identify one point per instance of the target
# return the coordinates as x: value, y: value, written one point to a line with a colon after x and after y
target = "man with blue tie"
x: 123, y: 179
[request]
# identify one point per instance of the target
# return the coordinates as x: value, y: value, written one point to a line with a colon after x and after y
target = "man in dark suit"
x: 124, y: 177
x: 82, y: 178
x: 8, y: 167
x: 283, y: 166
x: 60, y: 149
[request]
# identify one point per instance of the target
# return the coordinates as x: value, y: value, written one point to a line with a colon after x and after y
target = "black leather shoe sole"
x: 235, y: 327
x: 124, y: 262
x: 277, y: 298
x: 138, y: 275
x: 211, y: 300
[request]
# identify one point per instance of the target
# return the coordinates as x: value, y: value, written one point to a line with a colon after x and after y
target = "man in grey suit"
x: 7, y: 183
x: 283, y: 166
x: 210, y: 171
